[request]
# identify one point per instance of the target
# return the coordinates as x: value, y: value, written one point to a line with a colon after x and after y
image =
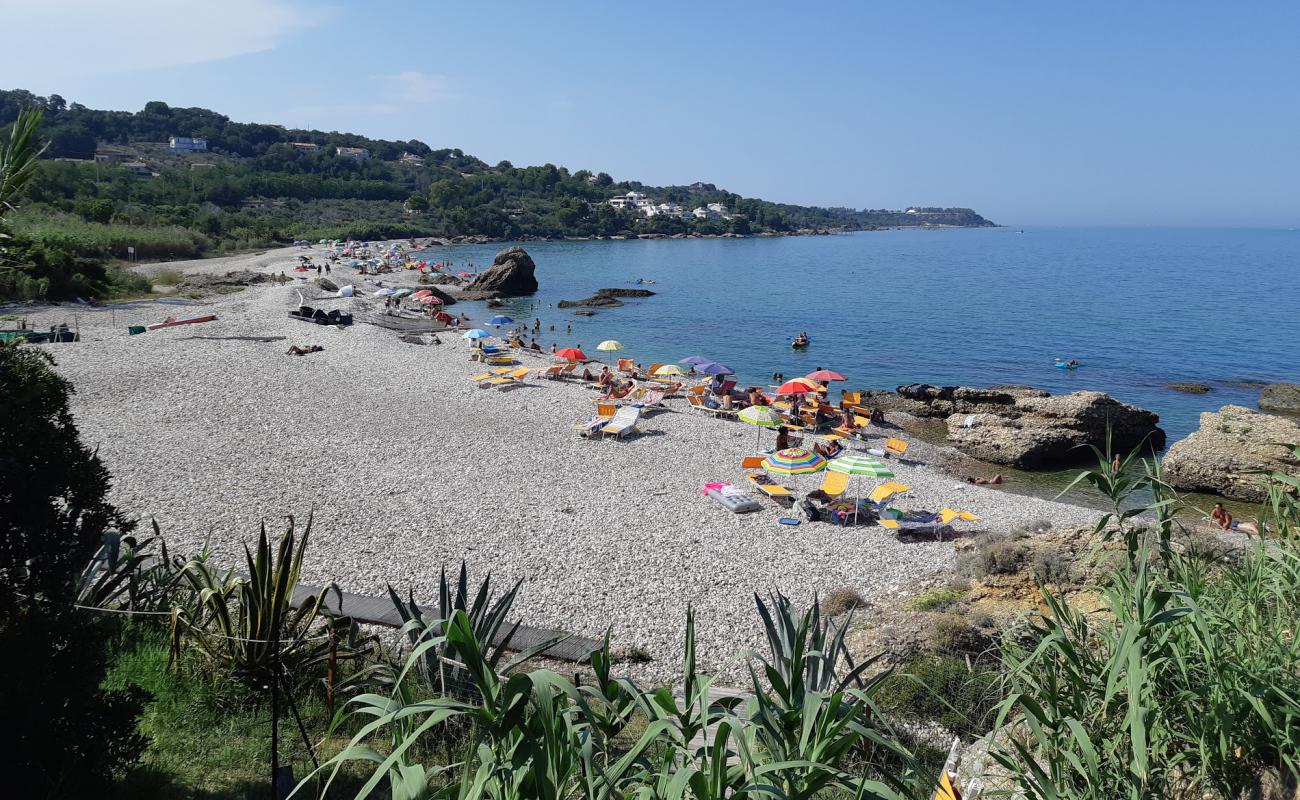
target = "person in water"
x: 1219, y: 516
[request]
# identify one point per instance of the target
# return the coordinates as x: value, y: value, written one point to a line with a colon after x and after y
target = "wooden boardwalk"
x: 380, y: 611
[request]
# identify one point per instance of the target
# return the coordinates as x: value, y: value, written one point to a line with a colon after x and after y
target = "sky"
x: 1032, y: 113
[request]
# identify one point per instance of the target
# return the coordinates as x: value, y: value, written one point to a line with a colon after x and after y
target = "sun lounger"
x: 624, y: 422
x: 653, y: 400
x: 553, y: 371
x: 592, y: 426
x: 773, y: 490
x: 606, y: 410
x: 896, y: 447
x: 734, y: 500
x: 492, y: 373
x: 510, y: 379
x: 835, y: 483
x: 568, y: 370
x: 627, y: 366
x: 751, y: 462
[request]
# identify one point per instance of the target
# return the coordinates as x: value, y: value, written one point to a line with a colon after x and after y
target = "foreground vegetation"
x: 256, y: 188
x: 1183, y: 682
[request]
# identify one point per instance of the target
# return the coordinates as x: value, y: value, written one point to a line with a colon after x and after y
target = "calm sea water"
x: 1138, y: 308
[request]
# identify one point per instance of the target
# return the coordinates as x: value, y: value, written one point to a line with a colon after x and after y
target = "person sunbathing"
x: 295, y: 350
x: 672, y: 388
x: 617, y: 392
x: 588, y: 375
x: 1219, y: 516
x: 828, y: 450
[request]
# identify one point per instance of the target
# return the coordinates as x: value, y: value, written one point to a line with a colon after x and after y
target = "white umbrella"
x: 762, y: 417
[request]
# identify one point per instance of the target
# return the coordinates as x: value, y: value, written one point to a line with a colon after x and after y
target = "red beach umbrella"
x: 797, y: 386
x: 428, y: 298
x: 571, y: 354
x: 824, y: 375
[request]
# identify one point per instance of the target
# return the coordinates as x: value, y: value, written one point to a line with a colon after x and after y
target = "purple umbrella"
x: 714, y: 368
x: 696, y: 360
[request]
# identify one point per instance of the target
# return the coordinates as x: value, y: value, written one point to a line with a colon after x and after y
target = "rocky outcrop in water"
x: 1224, y: 455
x: 512, y: 273
x: 1190, y: 388
x: 1284, y: 397
x: 1022, y: 426
x: 605, y: 298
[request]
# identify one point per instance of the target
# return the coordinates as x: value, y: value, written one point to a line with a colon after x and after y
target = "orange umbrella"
x: 799, y: 386
x: 571, y: 353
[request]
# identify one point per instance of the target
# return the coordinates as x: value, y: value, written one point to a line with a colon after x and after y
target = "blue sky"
x: 1033, y: 113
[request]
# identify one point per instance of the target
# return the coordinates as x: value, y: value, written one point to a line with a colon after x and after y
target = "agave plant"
x: 441, y: 665
x: 128, y: 574
x: 249, y: 623
x: 19, y: 156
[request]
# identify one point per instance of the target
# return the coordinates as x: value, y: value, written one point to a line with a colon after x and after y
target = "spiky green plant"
x: 249, y: 624
x: 18, y: 159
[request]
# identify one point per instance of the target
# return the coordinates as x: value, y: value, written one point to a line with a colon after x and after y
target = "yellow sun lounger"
x: 835, y: 483
x: 772, y: 490
x: 490, y: 373
x: 884, y: 491
x: 509, y: 378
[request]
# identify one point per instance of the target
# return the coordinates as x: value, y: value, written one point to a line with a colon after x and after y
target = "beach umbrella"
x: 609, y: 345
x: 401, y: 293
x: 385, y: 292
x: 475, y: 333
x: 794, y: 461
x: 824, y: 375
x: 571, y: 354
x: 670, y: 369
x: 714, y: 368
x: 858, y: 466
x: 347, y: 291
x: 429, y: 300
x: 421, y: 293
x: 798, y: 386
x: 696, y: 360
x: 466, y: 275
x: 762, y: 417
x: 500, y: 319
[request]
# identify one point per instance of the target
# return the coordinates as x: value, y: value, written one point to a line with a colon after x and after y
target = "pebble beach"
x: 407, y: 466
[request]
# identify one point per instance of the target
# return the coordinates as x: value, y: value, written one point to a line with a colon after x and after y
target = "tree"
x: 417, y: 202
x: 67, y: 737
x: 18, y: 159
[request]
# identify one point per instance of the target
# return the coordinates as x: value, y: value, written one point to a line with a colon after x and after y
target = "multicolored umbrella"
x: 824, y: 375
x: 571, y: 354
x: 475, y: 333
x: 763, y: 417
x: 794, y: 461
x: 501, y: 319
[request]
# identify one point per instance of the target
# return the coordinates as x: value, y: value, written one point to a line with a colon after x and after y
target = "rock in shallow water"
x: 1225, y: 453
x: 1284, y: 397
x: 1190, y: 388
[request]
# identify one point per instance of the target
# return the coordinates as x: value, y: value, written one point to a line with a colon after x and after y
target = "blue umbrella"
x: 696, y: 360
x: 500, y: 319
x: 475, y: 333
x: 714, y: 368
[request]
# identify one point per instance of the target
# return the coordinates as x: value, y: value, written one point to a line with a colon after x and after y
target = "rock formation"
x: 1284, y: 397
x: 1022, y: 426
x: 1230, y: 447
x: 512, y: 274
x: 605, y: 298
x: 1190, y: 388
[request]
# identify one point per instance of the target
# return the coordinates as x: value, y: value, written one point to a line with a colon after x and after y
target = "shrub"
x: 943, y: 689
x: 994, y: 555
x: 1050, y: 565
x: 841, y: 600
x: 952, y: 633
x: 167, y: 277
x: 936, y: 600
x: 69, y: 736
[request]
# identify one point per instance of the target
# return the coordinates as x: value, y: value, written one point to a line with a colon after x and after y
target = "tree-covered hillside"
x: 260, y: 184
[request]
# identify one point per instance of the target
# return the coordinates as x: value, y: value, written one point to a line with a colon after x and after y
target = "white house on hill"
x: 187, y: 144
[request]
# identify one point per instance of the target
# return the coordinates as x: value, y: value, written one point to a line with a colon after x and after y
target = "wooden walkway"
x: 380, y: 611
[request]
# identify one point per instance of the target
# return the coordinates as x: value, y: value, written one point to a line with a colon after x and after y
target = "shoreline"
x: 410, y: 467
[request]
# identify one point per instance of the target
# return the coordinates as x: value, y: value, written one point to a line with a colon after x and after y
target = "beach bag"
x: 810, y: 510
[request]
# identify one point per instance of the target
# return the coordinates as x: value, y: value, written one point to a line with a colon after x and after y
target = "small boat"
x: 799, y: 342
x: 172, y: 322
x: 320, y: 317
x: 1059, y: 364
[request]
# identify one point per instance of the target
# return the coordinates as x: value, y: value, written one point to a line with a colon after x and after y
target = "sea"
x: 1139, y: 308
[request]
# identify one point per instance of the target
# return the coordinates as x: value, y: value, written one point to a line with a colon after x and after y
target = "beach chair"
x: 553, y: 371
x: 697, y: 404
x: 568, y: 369
x: 651, y: 371
x: 627, y: 366
x: 510, y: 379
x: 606, y: 410
x: 501, y: 359
x: 834, y: 484
x: 751, y: 462
x: 492, y: 373
x: 775, y: 491
x: 882, y: 494
x: 624, y: 422
x: 852, y: 401
x: 652, y: 400
x: 481, y: 377
x: 698, y: 391
x: 897, y: 447
x: 592, y: 426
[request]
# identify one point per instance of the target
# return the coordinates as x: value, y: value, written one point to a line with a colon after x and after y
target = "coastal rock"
x: 512, y: 274
x: 447, y: 299
x: 327, y: 284
x: 1190, y: 388
x: 584, y: 313
x: 605, y: 298
x: 1038, y: 430
x: 1224, y: 453
x: 1284, y: 397
x: 202, y: 283
x: 938, y: 402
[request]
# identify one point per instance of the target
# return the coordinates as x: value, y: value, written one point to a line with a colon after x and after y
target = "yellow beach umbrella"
x: 670, y: 369
x: 609, y: 344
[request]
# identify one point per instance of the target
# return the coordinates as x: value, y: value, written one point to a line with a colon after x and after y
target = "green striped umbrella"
x: 858, y: 466
x: 762, y: 417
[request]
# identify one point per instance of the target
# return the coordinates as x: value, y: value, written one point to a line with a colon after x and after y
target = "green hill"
x: 110, y: 180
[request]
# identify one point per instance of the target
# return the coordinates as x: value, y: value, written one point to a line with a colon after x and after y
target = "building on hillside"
x: 710, y: 212
x: 662, y: 210
x: 359, y: 153
x: 111, y: 155
x: 202, y: 165
x: 138, y: 168
x: 630, y: 200
x: 187, y: 144
x: 411, y: 159
x: 305, y: 147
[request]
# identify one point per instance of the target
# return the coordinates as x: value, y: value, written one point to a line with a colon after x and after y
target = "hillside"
x: 110, y: 178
